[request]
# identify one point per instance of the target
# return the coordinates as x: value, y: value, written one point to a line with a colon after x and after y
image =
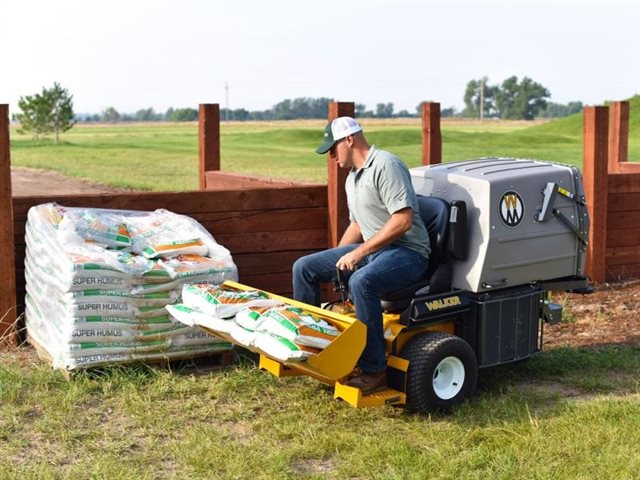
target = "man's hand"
x: 350, y: 260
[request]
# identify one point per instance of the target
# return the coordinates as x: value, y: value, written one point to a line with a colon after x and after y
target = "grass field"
x: 163, y: 157
x: 567, y: 414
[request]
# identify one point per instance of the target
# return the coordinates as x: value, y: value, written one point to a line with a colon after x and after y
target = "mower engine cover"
x: 527, y: 219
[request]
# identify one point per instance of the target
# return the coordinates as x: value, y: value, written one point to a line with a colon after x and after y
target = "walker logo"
x: 511, y: 209
x: 443, y: 303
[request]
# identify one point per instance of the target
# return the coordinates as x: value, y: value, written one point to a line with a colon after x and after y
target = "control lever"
x: 341, y: 287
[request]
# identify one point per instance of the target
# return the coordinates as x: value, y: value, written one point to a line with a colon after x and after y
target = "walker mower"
x: 504, y: 233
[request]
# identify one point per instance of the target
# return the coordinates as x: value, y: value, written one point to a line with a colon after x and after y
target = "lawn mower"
x: 504, y: 233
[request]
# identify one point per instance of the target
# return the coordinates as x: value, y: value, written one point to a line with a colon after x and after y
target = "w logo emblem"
x: 511, y: 209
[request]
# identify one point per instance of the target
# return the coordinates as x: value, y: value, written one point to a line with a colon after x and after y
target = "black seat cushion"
x: 434, y: 212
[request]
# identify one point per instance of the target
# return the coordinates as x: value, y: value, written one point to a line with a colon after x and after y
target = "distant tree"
x: 506, y: 99
x: 62, y: 117
x: 448, y: 112
x: 302, y: 107
x: 183, y: 115
x: 384, y: 110
x: 521, y: 100
x: 404, y: 114
x: 50, y: 111
x: 239, y: 114
x: 282, y: 110
x: 556, y: 110
x: 145, y: 115
x: 475, y: 90
x: 110, y: 115
x: 33, y: 115
x: 360, y: 109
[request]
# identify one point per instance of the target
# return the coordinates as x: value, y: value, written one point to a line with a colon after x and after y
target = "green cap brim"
x: 325, y: 147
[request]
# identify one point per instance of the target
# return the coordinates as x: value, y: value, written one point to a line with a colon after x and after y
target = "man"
x: 384, y: 248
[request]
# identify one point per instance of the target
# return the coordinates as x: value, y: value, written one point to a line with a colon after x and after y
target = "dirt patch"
x: 32, y: 181
x: 611, y: 315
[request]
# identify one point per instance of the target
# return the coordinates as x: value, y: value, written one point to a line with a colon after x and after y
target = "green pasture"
x: 163, y: 157
x: 567, y: 414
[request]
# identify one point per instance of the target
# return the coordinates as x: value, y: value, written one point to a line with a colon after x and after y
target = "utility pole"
x: 226, y: 92
x: 481, y: 99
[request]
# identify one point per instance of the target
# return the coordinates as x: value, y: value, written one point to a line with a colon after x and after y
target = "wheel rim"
x: 448, y: 378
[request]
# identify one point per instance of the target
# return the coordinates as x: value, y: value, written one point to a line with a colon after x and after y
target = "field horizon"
x: 163, y: 156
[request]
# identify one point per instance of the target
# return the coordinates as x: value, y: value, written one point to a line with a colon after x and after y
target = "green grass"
x: 165, y: 156
x: 546, y: 418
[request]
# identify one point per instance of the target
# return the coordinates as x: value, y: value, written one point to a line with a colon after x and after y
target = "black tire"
x: 443, y: 371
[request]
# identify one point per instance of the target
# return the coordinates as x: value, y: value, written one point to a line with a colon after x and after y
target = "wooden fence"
x: 612, y: 185
x: 266, y: 224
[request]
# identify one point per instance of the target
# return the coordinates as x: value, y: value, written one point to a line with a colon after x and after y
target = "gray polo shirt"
x: 379, y: 189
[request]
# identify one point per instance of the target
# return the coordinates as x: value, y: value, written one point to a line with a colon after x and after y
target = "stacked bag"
x: 251, y: 319
x: 98, y: 282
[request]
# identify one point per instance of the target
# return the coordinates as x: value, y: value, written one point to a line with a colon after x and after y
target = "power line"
x: 226, y: 91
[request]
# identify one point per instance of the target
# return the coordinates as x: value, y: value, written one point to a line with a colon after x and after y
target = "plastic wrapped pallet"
x: 98, y: 282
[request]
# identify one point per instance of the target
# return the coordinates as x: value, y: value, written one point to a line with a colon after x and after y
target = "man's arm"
x: 399, y: 223
x: 351, y: 235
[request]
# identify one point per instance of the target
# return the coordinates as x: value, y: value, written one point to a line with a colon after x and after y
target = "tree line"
x: 512, y: 99
x: 289, y: 109
x: 51, y: 110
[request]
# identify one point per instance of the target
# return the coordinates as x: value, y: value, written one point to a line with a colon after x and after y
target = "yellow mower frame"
x: 337, y: 361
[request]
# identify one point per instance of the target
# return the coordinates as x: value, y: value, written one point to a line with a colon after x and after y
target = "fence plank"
x: 188, y: 202
x: 337, y: 196
x: 279, y: 283
x: 431, y: 136
x: 618, y: 135
x: 623, y: 238
x: 208, y: 140
x: 8, y: 299
x: 228, y: 181
x: 595, y: 136
x: 624, y: 220
x: 623, y: 202
x: 624, y: 182
x: 243, y: 222
x: 623, y: 255
x: 619, y: 272
x: 273, y: 241
x: 268, y: 262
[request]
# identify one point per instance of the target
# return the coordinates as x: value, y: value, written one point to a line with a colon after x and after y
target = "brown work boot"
x: 369, y: 382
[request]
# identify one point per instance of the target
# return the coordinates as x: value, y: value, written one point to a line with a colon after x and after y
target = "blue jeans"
x: 380, y: 273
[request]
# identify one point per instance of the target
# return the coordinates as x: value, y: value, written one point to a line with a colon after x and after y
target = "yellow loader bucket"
x: 333, y: 363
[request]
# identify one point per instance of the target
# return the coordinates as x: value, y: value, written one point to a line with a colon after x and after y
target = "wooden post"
x: 595, y: 175
x: 431, y: 136
x: 208, y: 140
x: 8, y: 332
x: 337, y: 195
x: 618, y: 135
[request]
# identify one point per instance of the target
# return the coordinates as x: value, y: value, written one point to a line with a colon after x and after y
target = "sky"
x: 138, y: 54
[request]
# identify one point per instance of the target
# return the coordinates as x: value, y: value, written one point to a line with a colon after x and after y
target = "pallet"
x: 188, y: 364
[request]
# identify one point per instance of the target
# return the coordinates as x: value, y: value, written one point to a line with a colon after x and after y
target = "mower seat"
x: 434, y: 212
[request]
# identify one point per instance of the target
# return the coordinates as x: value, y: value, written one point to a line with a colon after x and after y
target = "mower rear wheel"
x: 443, y: 371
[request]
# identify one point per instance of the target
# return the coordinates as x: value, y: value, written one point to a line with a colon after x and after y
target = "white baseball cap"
x: 340, y: 128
